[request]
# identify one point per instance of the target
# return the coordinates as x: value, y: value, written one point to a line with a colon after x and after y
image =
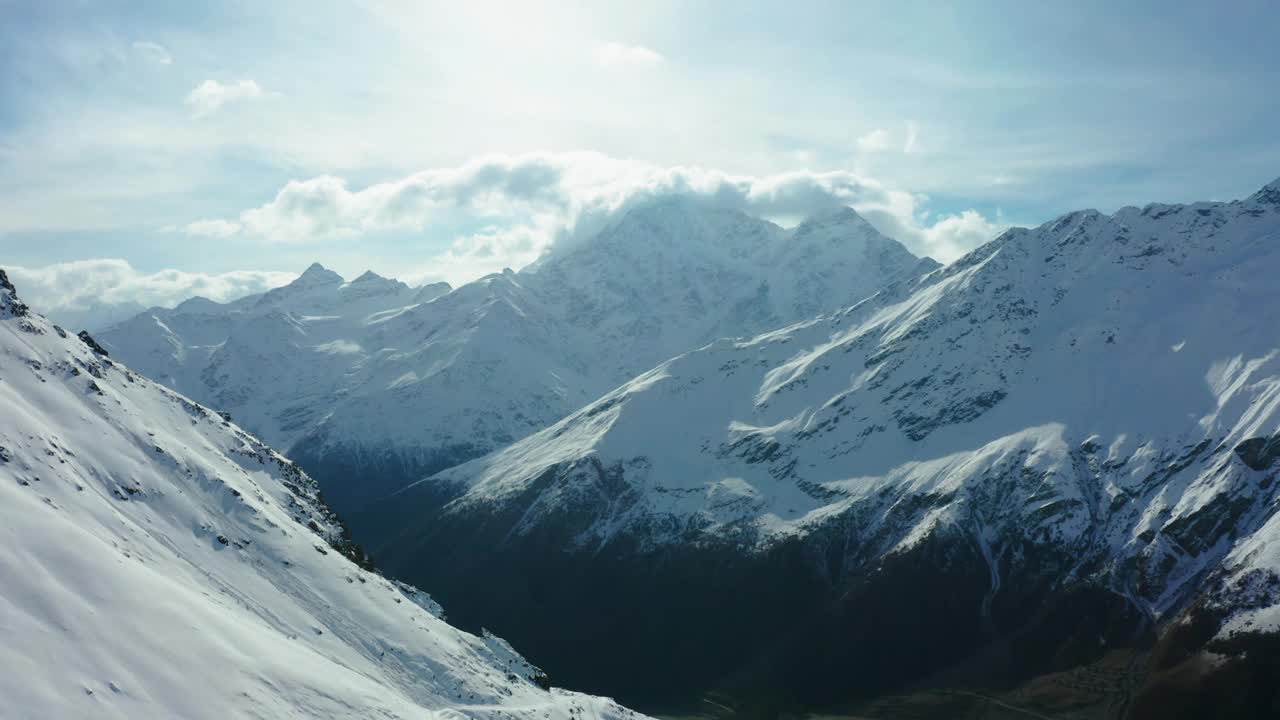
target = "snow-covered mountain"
x: 159, y: 562
x: 371, y: 384
x: 1090, y: 408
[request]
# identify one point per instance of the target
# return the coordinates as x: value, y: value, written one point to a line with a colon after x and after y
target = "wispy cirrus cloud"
x: 912, y: 143
x: 154, y: 52
x: 213, y: 229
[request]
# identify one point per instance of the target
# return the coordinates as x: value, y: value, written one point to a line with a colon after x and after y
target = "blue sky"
x: 152, y: 149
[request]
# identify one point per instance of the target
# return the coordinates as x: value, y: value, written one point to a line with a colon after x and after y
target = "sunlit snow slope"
x: 156, y: 561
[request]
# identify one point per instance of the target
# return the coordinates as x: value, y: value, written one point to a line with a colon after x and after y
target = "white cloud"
x: 94, y: 292
x: 491, y: 250
x: 949, y: 237
x: 154, y: 52
x: 531, y: 202
x: 612, y: 54
x: 875, y: 141
x: 215, y: 229
x: 210, y: 95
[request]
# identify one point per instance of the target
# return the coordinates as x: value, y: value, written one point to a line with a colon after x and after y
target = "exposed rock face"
x: 1259, y: 453
x: 87, y: 339
x: 1268, y: 196
x: 9, y: 301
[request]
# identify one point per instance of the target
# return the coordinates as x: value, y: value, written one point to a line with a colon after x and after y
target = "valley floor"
x: 1099, y: 691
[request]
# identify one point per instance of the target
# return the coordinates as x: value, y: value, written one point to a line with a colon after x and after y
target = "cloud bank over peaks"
x: 526, y: 204
x: 93, y: 293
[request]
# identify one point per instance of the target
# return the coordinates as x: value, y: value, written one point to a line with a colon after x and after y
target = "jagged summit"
x: 317, y: 274
x: 6, y: 285
x: 372, y: 283
x: 431, y: 291
x: 9, y: 301
x: 369, y: 276
x: 1269, y: 194
x: 835, y: 215
x: 315, y: 281
x: 198, y: 303
x: 843, y: 225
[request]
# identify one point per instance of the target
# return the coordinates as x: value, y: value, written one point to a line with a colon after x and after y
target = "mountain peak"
x: 677, y: 219
x: 1269, y: 194
x: 840, y: 214
x: 6, y: 285
x: 9, y: 297
x: 317, y: 274
x: 371, y: 283
x: 431, y: 291
x: 197, y: 303
x: 840, y: 218
x: 367, y: 276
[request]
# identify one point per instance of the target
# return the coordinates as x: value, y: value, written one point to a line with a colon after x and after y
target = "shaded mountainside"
x: 1063, y: 443
x: 160, y: 562
x: 371, y: 384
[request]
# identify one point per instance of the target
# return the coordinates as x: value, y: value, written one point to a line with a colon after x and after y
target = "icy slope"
x: 371, y: 381
x: 1104, y: 389
x: 157, y: 561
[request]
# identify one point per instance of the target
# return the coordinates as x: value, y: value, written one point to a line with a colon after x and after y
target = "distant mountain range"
x: 371, y: 384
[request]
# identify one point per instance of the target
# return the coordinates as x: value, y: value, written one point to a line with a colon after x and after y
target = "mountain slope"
x: 371, y: 385
x: 1091, y: 406
x: 160, y: 562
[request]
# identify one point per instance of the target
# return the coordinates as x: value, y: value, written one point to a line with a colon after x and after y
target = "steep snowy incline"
x: 370, y: 384
x: 160, y: 562
x: 1092, y: 402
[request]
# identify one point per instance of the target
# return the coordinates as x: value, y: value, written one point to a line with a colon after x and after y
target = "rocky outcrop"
x: 9, y: 301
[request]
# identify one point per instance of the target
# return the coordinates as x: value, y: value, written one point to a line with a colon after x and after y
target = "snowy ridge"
x: 161, y: 562
x: 1105, y: 389
x: 374, y: 374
